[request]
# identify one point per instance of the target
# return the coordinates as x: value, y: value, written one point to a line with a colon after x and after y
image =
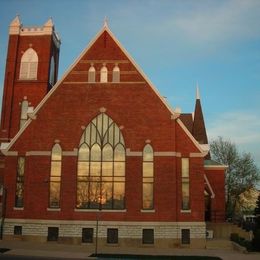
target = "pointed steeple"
x: 199, y: 129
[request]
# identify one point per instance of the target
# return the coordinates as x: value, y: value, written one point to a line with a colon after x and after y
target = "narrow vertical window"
x: 19, y: 195
x: 91, y: 74
x: 53, y: 234
x: 103, y: 74
x: 148, y: 236
x: 185, y: 236
x: 24, y: 110
x: 148, y: 177
x: 87, y: 235
x: 116, y: 74
x: 185, y: 183
x: 112, y: 236
x: 55, y: 177
x: 29, y: 65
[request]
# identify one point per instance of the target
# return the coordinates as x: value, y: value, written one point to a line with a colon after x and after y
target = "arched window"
x: 101, y: 166
x: 24, y: 110
x: 148, y: 177
x: 91, y: 74
x: 103, y: 74
x: 52, y: 72
x: 29, y: 65
x: 116, y: 74
x: 55, y: 177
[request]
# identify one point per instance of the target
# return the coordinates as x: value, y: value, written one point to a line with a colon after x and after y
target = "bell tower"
x: 31, y: 71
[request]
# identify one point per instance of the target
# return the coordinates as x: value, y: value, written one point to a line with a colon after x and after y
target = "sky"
x: 177, y: 44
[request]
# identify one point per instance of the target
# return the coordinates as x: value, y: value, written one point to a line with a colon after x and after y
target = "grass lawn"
x: 157, y: 257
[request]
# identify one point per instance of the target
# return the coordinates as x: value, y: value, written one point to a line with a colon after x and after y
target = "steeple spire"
x: 198, y: 128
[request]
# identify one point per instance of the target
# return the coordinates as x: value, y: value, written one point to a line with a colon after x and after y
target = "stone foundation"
x: 166, y: 234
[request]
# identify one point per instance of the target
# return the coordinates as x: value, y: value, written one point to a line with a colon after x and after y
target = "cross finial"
x: 105, y: 22
x: 197, y: 91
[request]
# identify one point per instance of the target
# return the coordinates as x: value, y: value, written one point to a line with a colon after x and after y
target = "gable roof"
x: 58, y: 83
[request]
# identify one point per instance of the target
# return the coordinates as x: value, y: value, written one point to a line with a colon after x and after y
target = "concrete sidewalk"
x: 50, y: 249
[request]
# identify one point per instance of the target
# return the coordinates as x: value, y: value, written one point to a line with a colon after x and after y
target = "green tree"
x: 241, y: 175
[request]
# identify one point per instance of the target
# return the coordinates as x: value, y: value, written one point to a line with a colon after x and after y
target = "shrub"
x: 234, y: 237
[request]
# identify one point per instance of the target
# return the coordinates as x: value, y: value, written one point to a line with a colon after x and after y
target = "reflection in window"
x: 55, y: 176
x: 101, y: 166
x: 116, y: 74
x: 19, y: 194
x: 148, y: 177
x: 185, y: 180
x: 24, y: 110
x: 29, y: 65
x: 91, y: 74
x: 103, y: 74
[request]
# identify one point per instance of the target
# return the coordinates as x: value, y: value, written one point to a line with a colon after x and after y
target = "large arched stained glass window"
x: 101, y: 166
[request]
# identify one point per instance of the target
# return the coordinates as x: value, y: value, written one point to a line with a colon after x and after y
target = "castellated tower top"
x: 17, y: 28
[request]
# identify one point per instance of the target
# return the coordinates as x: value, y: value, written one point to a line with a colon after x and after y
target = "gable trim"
x: 210, y: 188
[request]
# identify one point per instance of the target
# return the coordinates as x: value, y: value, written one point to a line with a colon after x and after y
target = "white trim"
x: 174, y: 154
x: 185, y: 210
x: 210, y: 188
x: 38, y: 153
x: 70, y: 153
x: 9, y: 153
x: 147, y: 210
x: 102, y: 210
x: 133, y: 153
x: 53, y: 209
x: 192, y: 155
x: 117, y: 223
x: 17, y: 208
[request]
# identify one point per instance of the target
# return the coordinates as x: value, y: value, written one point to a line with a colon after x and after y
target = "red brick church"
x: 99, y: 155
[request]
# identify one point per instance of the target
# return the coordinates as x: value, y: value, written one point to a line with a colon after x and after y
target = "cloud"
x: 240, y: 127
x: 225, y: 21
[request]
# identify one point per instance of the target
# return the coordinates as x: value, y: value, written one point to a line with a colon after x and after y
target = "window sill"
x: 102, y: 210
x: 17, y: 208
x: 147, y: 210
x: 53, y: 209
x: 185, y: 210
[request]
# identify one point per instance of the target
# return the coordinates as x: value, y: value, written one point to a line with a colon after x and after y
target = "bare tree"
x: 242, y: 173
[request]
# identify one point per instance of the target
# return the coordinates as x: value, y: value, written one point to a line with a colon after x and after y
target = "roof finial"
x: 197, y: 91
x: 105, y: 22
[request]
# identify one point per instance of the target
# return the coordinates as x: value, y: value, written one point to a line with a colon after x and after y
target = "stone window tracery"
x: 29, y: 65
x: 101, y: 166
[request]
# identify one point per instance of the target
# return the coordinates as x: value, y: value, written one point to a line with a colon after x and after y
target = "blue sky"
x: 177, y: 44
